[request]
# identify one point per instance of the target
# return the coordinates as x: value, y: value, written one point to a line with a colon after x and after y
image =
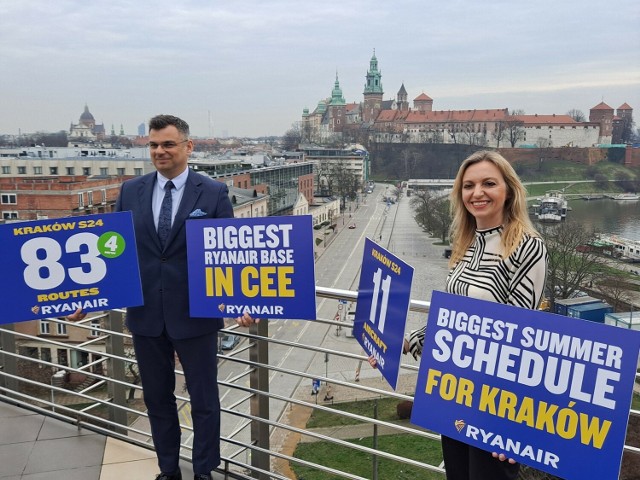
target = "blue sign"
x: 263, y: 266
x: 384, y: 294
x: 53, y: 267
x: 546, y: 390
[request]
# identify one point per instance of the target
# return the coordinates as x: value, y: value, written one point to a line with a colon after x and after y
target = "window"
x: 104, y: 171
x: 120, y: 171
x: 45, y: 328
x: 95, y: 327
x: 71, y: 171
x: 22, y: 170
x: 6, y: 170
x: 62, y: 329
x: 137, y: 171
x: 53, y: 170
x: 45, y: 354
x: 89, y: 198
x: 37, y: 170
x: 86, y: 171
x: 9, y: 199
x: 9, y: 215
x: 80, y: 200
x: 104, y: 195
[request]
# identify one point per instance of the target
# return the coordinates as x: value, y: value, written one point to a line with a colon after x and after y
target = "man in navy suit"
x: 163, y: 325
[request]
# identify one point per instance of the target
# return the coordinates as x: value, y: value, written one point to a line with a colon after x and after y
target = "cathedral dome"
x: 86, y: 117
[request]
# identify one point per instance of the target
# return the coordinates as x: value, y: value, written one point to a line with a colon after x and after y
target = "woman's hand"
x: 372, y: 361
x: 246, y: 320
x: 502, y: 457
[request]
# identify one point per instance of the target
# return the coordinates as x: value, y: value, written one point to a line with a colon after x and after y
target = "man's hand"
x: 76, y: 316
x: 246, y: 320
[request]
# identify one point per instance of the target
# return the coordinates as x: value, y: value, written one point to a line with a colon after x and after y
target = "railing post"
x: 259, y: 380
x: 8, y: 363
x: 116, y: 368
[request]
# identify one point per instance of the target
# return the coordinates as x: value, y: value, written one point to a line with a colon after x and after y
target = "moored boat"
x: 552, y: 207
x: 626, y: 196
x: 624, y: 248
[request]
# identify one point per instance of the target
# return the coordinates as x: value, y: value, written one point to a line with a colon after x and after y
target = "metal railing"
x: 262, y: 424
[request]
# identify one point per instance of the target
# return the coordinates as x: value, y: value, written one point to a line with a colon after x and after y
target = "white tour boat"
x: 552, y: 207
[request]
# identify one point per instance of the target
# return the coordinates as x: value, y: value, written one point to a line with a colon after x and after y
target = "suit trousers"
x: 466, y: 462
x: 198, y: 357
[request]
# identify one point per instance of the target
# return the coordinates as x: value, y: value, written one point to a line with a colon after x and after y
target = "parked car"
x: 228, y: 341
x: 352, y: 226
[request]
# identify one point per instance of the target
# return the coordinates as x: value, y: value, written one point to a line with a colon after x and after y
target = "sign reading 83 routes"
x: 53, y: 267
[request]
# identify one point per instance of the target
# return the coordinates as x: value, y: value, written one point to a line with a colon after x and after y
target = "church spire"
x: 336, y: 93
x: 374, y: 77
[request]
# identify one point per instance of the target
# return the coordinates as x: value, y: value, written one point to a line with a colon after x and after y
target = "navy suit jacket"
x: 165, y: 282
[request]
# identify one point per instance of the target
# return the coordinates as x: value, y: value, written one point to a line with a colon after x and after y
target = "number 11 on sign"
x: 380, y: 284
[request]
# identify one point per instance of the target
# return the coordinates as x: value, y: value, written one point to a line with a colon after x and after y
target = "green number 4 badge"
x: 111, y: 244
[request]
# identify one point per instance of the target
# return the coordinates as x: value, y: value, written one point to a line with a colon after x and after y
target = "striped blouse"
x: 516, y: 280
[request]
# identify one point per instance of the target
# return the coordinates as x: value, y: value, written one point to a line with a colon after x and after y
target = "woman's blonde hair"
x: 516, y: 220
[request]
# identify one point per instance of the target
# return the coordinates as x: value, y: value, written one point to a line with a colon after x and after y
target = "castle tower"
x: 336, y: 108
x: 372, y: 92
x: 603, y: 114
x: 403, y: 103
x: 423, y: 103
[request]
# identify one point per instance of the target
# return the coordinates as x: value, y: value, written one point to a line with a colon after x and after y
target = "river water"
x: 605, y: 215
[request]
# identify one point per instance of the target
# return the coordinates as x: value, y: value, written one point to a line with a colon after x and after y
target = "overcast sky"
x: 249, y: 67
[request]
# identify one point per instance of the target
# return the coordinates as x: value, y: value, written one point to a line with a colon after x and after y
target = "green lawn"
x: 386, y: 412
x: 360, y: 463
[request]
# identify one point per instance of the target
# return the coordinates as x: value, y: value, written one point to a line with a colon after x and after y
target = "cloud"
x: 254, y: 65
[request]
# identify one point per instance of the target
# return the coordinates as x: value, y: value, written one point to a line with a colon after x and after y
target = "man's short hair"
x: 162, y: 121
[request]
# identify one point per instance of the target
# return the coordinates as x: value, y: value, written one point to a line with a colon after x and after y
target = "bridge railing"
x: 268, y: 426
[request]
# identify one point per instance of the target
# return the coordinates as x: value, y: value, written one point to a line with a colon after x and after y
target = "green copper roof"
x: 374, y: 77
x: 336, y: 94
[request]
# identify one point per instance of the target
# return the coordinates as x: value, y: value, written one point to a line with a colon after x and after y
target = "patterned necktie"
x: 164, y: 220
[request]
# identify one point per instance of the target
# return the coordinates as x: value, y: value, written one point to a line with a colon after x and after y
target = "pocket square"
x: 197, y: 213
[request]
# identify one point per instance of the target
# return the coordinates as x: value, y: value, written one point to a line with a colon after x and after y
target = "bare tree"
x: 514, y: 127
x: 571, y: 263
x: 432, y: 213
x: 499, y: 133
x: 577, y: 115
x: 616, y: 290
x: 292, y: 137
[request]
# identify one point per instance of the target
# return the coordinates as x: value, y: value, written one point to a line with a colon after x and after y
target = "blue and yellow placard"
x: 546, y: 390
x: 381, y: 313
x: 263, y: 266
x: 53, y: 267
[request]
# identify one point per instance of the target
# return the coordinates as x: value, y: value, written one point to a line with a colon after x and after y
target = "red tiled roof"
x: 391, y: 115
x: 602, y: 106
x: 452, y: 116
x: 351, y: 106
x: 625, y: 106
x: 422, y: 97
